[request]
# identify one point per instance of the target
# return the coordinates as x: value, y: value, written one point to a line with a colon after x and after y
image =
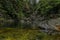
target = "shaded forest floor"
x: 25, y: 34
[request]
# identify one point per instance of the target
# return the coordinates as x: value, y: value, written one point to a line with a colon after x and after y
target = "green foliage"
x: 17, y: 10
x: 42, y: 8
x: 13, y: 11
x: 9, y: 11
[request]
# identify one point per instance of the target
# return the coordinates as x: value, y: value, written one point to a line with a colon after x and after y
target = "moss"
x: 25, y: 34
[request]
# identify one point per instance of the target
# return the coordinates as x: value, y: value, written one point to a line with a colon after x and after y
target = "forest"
x: 29, y: 19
